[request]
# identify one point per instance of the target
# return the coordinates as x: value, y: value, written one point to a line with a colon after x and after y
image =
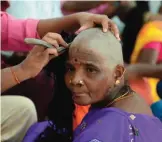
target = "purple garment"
x: 35, y: 130
x: 114, y: 125
x: 109, y: 125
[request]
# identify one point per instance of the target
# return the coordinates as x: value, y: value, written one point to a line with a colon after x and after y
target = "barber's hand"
x: 88, y: 20
x: 39, y: 56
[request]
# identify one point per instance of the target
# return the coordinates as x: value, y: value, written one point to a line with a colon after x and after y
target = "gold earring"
x: 70, y: 81
x: 117, y: 82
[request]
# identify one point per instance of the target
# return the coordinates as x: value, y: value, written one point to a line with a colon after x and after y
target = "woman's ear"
x: 119, y: 73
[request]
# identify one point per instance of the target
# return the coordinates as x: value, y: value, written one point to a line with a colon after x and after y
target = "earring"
x: 70, y: 81
x: 117, y: 82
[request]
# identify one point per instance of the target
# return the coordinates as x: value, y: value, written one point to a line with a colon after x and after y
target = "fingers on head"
x: 108, y: 24
x: 114, y: 29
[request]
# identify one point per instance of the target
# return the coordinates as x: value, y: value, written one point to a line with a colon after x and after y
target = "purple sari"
x: 115, y: 125
x: 110, y: 125
x: 35, y: 130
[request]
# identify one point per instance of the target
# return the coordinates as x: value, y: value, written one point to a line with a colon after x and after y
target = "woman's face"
x: 88, y: 75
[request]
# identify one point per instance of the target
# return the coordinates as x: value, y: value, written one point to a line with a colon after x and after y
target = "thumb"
x: 51, y: 53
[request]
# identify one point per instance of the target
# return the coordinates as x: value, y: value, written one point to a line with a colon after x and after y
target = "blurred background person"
x: 108, y: 8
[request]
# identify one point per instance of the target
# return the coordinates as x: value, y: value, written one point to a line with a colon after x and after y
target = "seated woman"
x: 95, y: 76
x: 133, y: 20
x: 148, y: 50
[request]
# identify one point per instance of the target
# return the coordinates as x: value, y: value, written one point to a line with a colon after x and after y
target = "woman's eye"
x: 69, y: 69
x: 91, y: 70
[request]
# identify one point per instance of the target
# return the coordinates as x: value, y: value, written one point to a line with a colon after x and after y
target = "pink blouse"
x: 157, y: 46
x: 13, y: 32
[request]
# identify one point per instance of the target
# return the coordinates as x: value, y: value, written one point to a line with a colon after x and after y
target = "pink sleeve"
x: 153, y: 45
x: 15, y: 30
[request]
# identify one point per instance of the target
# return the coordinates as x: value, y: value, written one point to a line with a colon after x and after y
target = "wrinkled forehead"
x: 85, y: 53
x: 94, y: 45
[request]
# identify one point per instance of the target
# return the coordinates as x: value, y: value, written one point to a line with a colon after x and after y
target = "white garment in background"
x: 18, y: 113
x: 39, y: 9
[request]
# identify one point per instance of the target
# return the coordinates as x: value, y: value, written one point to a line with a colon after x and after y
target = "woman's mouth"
x: 78, y: 94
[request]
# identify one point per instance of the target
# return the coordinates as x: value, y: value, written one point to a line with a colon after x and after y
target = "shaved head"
x: 104, y: 43
x: 95, y: 59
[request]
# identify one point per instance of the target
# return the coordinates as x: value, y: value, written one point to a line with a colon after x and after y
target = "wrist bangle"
x: 14, y: 75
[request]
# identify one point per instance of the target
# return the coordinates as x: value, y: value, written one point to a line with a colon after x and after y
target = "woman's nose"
x: 77, y: 79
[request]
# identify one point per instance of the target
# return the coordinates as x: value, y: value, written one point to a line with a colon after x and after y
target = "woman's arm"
x: 8, y: 79
x: 144, y: 70
x: 67, y: 23
x: 148, y: 55
x: 37, y: 58
x: 15, y: 30
x: 146, y: 63
x: 72, y: 22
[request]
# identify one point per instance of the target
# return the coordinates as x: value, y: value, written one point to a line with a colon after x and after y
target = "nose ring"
x: 79, y: 83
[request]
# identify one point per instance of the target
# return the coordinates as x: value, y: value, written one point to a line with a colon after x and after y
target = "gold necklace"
x: 120, y: 98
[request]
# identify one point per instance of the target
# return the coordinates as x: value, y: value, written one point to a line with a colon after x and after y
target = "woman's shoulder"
x: 114, y: 124
x: 103, y: 117
x: 103, y: 125
x: 109, y: 113
x: 106, y: 114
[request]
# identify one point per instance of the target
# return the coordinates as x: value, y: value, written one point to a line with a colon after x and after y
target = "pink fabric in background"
x: 14, y: 31
x: 157, y: 46
x: 98, y: 10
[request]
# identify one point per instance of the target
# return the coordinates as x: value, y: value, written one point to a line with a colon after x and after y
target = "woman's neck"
x: 115, y: 93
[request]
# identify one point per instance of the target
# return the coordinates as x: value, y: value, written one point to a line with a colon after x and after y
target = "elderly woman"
x: 95, y: 76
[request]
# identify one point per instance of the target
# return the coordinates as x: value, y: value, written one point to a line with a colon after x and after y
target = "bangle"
x: 15, y: 77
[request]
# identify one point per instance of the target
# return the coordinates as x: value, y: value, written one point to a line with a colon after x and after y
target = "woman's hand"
x: 39, y: 56
x: 87, y: 20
